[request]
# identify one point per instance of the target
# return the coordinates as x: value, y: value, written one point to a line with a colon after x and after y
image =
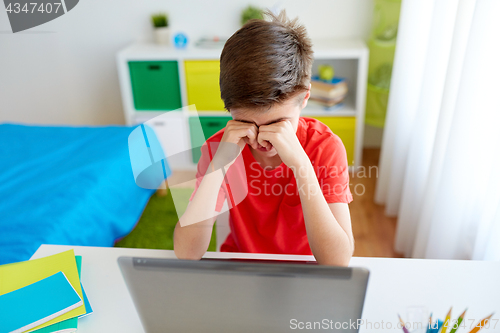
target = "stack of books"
x: 328, y: 93
x: 43, y: 295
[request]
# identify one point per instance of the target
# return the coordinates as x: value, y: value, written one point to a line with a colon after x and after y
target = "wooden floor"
x: 373, y: 231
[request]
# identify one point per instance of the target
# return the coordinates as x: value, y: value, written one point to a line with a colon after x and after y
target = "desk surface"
x: 394, y: 285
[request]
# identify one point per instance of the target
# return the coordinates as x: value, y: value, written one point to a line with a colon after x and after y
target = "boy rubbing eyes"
x: 295, y: 168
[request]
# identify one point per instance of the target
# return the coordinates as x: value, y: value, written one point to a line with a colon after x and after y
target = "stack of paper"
x: 43, y: 295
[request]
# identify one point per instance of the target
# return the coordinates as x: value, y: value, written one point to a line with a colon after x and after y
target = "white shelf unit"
x: 349, y: 58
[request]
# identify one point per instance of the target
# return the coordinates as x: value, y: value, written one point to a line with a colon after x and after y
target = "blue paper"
x: 334, y: 80
x: 37, y: 303
x: 88, y: 308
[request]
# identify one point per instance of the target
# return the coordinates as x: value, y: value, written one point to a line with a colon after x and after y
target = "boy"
x: 294, y: 168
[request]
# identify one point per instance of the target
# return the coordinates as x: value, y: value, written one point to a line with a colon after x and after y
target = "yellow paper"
x: 21, y: 274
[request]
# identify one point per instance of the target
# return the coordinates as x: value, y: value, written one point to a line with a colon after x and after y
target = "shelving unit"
x: 155, y: 79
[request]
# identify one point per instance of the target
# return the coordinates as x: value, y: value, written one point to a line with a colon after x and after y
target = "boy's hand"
x: 241, y: 133
x: 236, y: 133
x: 283, y: 137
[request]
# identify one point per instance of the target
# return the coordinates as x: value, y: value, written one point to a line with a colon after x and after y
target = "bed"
x: 67, y: 186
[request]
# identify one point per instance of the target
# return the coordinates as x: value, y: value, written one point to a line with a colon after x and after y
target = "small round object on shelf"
x: 180, y: 40
x: 326, y: 72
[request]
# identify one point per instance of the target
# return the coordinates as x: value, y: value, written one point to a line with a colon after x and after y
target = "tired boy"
x: 294, y: 168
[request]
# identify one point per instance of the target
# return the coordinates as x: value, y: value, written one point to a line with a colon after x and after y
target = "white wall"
x: 64, y: 72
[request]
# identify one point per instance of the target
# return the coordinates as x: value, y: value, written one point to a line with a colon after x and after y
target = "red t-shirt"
x: 269, y: 218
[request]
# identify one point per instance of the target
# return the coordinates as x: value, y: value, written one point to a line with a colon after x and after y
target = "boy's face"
x: 287, y: 110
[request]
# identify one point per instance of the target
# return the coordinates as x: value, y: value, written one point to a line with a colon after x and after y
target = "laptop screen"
x: 225, y: 296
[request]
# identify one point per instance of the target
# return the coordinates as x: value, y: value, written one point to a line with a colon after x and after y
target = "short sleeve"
x: 331, y: 167
x: 201, y: 169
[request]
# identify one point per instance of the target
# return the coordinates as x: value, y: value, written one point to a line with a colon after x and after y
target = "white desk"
x: 394, y: 285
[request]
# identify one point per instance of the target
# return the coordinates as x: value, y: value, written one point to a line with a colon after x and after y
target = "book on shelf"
x: 328, y: 93
x: 313, y: 111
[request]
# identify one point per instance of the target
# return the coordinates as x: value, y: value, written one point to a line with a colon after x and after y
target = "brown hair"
x: 265, y: 62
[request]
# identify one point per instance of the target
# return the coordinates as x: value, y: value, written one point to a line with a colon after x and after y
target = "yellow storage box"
x: 345, y: 128
x: 202, y: 83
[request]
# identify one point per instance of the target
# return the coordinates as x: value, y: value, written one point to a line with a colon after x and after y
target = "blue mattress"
x: 65, y: 185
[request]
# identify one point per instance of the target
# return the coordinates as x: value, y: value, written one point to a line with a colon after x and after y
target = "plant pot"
x: 162, y: 36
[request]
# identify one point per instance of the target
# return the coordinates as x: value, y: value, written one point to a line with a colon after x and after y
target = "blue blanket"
x: 65, y: 185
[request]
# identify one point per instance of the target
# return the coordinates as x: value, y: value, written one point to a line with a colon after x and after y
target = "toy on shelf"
x: 180, y: 40
x: 326, y: 72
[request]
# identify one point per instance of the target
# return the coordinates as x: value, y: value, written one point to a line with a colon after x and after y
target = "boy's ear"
x: 306, y: 97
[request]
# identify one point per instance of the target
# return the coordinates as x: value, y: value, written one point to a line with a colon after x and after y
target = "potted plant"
x: 161, y: 29
x: 251, y: 13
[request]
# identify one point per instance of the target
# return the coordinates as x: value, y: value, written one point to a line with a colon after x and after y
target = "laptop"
x: 173, y: 295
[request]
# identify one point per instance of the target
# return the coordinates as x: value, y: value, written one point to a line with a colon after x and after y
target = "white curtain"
x: 440, y: 157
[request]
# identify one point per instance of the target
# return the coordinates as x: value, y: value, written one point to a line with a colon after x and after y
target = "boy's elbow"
x: 186, y: 255
x: 342, y: 262
x: 184, y: 252
x: 181, y: 250
x: 336, y: 259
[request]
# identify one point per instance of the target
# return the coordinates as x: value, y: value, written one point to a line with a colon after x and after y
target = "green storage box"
x: 210, y: 126
x: 155, y: 85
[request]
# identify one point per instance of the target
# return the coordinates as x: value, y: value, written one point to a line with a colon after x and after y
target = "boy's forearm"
x: 191, y: 242
x: 203, y: 204
x: 193, y: 231
x: 329, y: 242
